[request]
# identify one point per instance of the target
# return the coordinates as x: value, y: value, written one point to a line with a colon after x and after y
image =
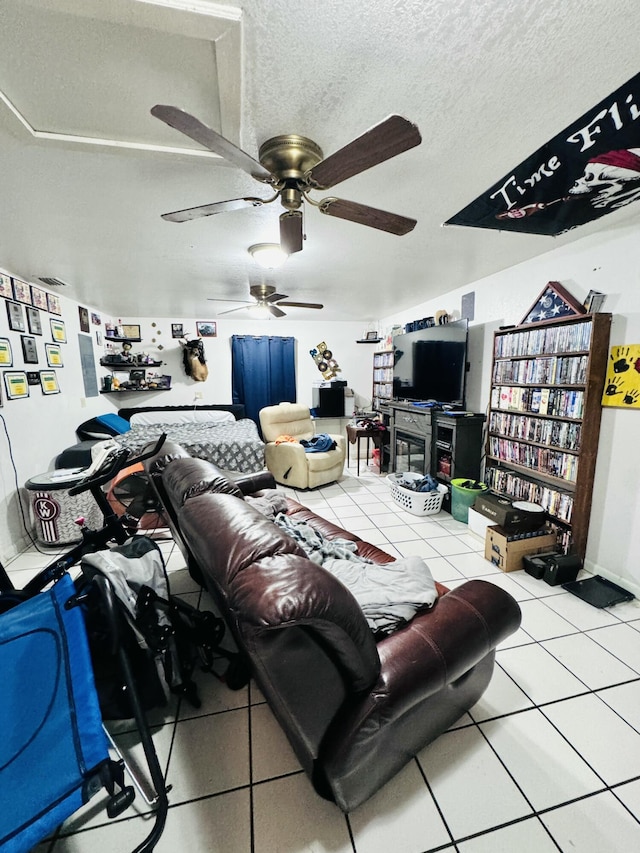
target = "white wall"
x: 609, y: 262
x: 354, y: 360
x: 39, y: 427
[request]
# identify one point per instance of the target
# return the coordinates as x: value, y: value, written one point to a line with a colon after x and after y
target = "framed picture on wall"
x: 206, y: 328
x: 39, y: 298
x: 58, y: 331
x: 177, y: 330
x: 5, y: 286
x: 33, y: 319
x: 84, y: 319
x: 29, y: 349
x: 53, y: 304
x: 16, y: 385
x: 21, y: 291
x: 49, y: 382
x: 54, y: 355
x: 6, y: 353
x: 131, y: 331
x: 15, y: 315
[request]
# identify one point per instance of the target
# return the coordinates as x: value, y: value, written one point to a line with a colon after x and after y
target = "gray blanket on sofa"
x: 389, y: 594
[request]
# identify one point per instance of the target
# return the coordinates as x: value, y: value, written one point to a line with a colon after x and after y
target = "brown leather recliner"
x: 354, y: 708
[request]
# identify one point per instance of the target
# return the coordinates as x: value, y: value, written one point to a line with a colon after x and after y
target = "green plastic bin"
x: 463, y: 497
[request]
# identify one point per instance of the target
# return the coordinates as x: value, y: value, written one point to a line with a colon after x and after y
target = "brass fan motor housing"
x: 289, y: 156
x: 261, y: 291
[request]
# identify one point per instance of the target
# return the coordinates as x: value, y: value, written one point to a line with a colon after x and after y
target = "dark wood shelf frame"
x: 582, y: 488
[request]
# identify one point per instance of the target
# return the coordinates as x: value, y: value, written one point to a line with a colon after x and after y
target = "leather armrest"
x: 436, y: 649
x: 250, y: 483
x: 439, y: 646
x: 340, y: 440
x: 169, y: 451
x: 187, y: 478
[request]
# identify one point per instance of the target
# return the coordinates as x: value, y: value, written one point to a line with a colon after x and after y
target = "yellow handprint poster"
x: 622, y: 383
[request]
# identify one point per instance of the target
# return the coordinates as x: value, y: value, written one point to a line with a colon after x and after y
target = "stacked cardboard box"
x: 507, y: 550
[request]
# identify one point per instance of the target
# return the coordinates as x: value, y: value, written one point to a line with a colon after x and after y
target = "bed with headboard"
x: 219, y: 433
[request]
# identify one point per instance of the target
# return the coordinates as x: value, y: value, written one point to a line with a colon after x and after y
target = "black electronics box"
x: 502, y: 512
x: 552, y: 568
x: 329, y: 402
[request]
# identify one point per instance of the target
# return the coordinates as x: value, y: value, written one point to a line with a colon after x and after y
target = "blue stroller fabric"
x: 53, y: 745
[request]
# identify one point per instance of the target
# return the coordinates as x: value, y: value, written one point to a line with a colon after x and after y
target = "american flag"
x: 549, y: 306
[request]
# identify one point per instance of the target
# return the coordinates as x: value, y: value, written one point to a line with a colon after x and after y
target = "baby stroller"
x: 55, y: 635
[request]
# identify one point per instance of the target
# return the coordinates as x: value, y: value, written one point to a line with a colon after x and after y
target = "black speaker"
x: 552, y: 568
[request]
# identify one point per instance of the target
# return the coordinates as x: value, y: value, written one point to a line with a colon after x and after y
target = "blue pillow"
x: 115, y: 423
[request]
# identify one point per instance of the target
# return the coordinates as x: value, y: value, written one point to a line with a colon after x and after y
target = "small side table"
x: 355, y: 433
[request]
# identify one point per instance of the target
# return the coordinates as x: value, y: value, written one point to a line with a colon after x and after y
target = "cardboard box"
x: 478, y: 523
x: 507, y: 550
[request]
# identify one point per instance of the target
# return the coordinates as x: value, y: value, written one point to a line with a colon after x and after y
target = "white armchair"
x: 288, y: 461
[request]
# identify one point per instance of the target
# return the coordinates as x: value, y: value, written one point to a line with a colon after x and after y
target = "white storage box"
x: 417, y: 503
x: 478, y: 523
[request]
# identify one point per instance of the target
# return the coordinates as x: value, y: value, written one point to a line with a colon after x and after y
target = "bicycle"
x: 113, y: 529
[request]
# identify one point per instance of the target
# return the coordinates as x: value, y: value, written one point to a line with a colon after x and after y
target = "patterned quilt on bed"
x: 233, y: 446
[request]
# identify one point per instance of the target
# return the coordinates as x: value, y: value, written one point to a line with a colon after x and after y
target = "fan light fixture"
x: 270, y: 256
x: 260, y: 312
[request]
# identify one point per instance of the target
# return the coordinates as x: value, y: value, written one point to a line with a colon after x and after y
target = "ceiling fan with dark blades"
x: 294, y: 166
x: 265, y: 296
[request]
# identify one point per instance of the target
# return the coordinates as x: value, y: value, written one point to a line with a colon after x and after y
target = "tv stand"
x: 447, y: 445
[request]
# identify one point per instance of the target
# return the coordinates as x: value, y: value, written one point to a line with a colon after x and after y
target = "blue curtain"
x: 263, y: 372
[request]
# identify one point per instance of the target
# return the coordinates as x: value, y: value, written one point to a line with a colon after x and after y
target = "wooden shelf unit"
x: 382, y: 379
x: 543, y: 428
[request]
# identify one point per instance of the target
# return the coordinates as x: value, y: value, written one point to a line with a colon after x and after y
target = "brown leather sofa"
x: 355, y: 708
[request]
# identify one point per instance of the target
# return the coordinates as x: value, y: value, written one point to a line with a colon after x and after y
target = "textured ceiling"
x: 487, y: 83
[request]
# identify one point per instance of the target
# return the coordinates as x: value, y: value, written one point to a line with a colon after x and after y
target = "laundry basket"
x: 417, y: 503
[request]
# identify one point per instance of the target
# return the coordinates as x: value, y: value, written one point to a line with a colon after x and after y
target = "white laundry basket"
x: 417, y: 503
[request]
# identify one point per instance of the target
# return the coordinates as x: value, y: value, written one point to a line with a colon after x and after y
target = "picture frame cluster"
x: 25, y: 304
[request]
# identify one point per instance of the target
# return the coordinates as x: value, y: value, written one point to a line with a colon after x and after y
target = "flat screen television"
x: 430, y: 364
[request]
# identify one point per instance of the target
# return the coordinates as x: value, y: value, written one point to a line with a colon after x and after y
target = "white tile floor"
x: 548, y: 760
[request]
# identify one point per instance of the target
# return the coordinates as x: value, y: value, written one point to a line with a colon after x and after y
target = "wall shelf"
x: 134, y: 390
x: 129, y: 365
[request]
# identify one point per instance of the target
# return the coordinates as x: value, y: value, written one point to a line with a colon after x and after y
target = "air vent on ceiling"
x: 52, y: 282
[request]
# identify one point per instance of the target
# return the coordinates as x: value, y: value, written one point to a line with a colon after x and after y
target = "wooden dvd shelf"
x: 382, y: 379
x: 544, y: 418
